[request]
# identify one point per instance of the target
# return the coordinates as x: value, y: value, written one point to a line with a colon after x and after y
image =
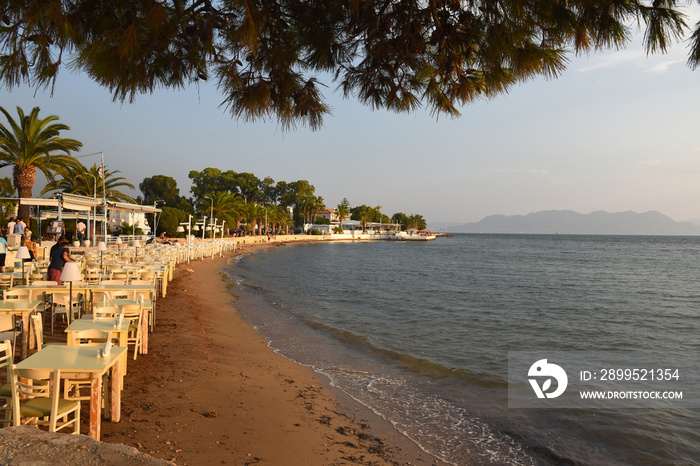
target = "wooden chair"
x: 8, y: 329
x: 15, y: 294
x: 112, y: 282
x: 102, y: 312
x: 6, y: 359
x: 7, y: 280
x: 135, y: 313
x: 150, y: 310
x: 36, y: 394
x: 74, y: 383
x: 62, y: 309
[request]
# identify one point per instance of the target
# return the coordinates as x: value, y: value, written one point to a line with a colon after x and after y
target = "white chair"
x: 62, y: 309
x: 15, y: 294
x: 8, y: 329
x: 6, y: 359
x: 7, y: 280
x: 36, y: 395
x: 135, y: 313
x: 112, y: 282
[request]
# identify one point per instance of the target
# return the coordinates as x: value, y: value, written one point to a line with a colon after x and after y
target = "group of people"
x: 17, y: 227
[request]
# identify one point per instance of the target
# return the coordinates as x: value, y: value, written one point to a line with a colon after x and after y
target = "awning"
x: 113, y: 205
x: 77, y: 202
x: 39, y: 202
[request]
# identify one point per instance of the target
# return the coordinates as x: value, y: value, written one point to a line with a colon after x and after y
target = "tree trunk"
x: 24, y: 180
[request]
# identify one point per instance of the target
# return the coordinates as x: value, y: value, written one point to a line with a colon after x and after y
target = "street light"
x: 94, y: 216
x: 189, y: 238
x: 155, y: 217
x: 211, y: 215
x: 213, y: 236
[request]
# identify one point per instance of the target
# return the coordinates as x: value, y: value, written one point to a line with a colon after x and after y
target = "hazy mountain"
x: 569, y: 222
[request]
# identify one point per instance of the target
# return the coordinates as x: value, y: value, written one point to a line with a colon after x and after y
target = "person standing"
x: 19, y: 227
x: 59, y: 257
x: 10, y: 226
x: 3, y: 252
x: 80, y: 228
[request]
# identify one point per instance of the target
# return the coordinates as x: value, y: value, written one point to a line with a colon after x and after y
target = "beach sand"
x: 210, y: 391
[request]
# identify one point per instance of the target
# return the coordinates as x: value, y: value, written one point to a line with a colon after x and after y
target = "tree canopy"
x: 268, y: 57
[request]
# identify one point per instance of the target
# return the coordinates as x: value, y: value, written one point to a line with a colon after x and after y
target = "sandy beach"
x: 210, y: 390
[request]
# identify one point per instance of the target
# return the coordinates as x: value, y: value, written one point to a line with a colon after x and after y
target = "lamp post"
x: 94, y: 216
x: 23, y: 253
x: 155, y: 217
x: 211, y: 213
x: 71, y: 273
x: 213, y: 236
x: 136, y: 244
x: 189, y: 238
x: 102, y: 247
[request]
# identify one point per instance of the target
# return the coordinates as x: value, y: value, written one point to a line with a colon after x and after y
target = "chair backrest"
x: 6, y: 353
x: 6, y: 279
x: 7, y: 323
x: 38, y: 327
x: 133, y: 311
x: 36, y: 383
x: 141, y: 282
x: 44, y: 282
x: 104, y: 312
x: 15, y: 294
x: 123, y: 294
x: 112, y: 282
x: 89, y: 336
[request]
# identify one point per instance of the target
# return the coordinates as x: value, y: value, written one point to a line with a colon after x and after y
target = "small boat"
x: 413, y: 235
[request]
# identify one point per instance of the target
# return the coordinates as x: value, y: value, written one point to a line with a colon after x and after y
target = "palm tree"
x: 81, y: 180
x: 32, y: 144
x: 227, y: 206
x: 343, y: 211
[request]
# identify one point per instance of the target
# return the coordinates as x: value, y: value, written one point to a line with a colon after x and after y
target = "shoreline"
x: 212, y: 390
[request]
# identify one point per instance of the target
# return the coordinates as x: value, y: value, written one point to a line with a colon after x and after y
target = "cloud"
x: 529, y: 171
x: 663, y: 66
x: 653, y: 163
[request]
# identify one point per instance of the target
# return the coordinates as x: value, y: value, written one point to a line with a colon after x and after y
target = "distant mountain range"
x: 569, y: 222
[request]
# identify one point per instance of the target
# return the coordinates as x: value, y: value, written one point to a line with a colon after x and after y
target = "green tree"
x: 416, y: 221
x: 160, y: 187
x: 6, y: 190
x: 81, y: 180
x: 266, y: 57
x: 170, y: 219
x: 30, y: 144
x: 343, y: 211
x: 401, y: 218
x: 211, y: 180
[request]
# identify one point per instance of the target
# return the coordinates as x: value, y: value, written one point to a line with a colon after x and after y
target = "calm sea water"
x: 420, y: 334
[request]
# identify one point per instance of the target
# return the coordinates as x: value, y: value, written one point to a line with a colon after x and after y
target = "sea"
x: 420, y: 333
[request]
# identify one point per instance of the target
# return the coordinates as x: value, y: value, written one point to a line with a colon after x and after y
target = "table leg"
x: 144, y: 333
x: 116, y: 398
x: 95, y: 405
x: 25, y: 335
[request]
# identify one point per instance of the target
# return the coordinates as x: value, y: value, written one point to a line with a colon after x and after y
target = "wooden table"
x: 105, y: 325
x: 23, y: 308
x: 83, y: 359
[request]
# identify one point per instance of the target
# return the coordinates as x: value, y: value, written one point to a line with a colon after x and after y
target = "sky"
x: 617, y: 131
